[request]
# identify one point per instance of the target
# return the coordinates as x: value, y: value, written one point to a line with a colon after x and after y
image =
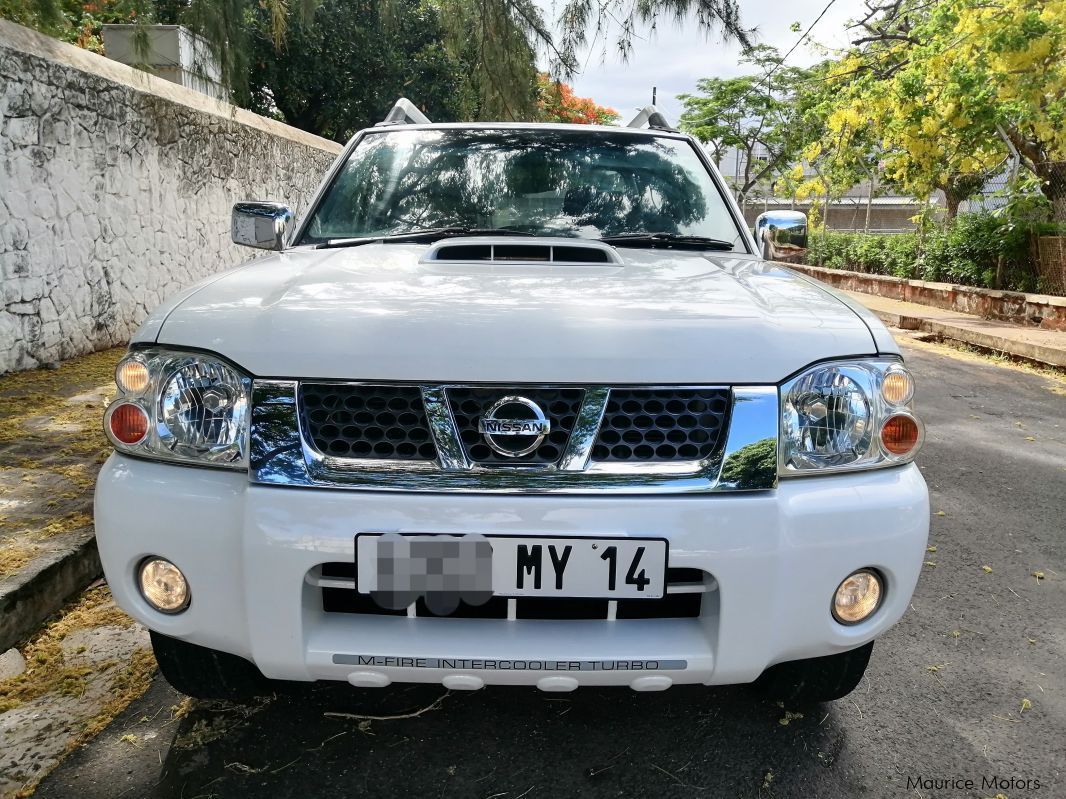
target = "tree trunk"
x: 1033, y: 156
x: 953, y: 201
x: 869, y: 195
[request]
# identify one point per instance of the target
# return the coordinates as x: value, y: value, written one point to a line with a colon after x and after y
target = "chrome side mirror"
x: 261, y: 225
x: 781, y: 235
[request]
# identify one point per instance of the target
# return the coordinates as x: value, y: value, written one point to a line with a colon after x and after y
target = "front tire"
x: 204, y: 673
x: 815, y: 679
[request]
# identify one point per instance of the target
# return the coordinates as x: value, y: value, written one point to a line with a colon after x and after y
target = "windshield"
x: 545, y: 182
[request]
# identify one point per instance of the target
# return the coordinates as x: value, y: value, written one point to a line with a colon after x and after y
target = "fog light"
x: 163, y: 586
x: 857, y: 597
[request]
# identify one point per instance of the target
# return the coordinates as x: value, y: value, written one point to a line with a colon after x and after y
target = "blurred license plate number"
x: 605, y: 568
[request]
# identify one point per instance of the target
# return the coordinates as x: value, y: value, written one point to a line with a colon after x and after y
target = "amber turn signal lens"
x: 132, y: 377
x: 128, y: 423
x: 897, y: 388
x: 899, y: 434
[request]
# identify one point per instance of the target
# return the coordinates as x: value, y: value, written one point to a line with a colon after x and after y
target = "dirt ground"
x: 51, y: 447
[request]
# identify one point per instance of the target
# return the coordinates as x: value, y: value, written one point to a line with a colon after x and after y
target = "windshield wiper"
x: 428, y: 234
x: 667, y: 241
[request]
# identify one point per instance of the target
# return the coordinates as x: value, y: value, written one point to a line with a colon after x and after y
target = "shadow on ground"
x: 499, y: 742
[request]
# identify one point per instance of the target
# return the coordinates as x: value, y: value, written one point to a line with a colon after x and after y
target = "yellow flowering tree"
x: 943, y: 93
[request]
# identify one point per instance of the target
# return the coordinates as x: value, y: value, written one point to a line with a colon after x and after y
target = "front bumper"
x: 776, y: 558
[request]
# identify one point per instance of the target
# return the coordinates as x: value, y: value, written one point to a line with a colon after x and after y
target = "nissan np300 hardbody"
x: 515, y: 404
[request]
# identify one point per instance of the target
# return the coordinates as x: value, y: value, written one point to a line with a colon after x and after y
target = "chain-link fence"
x: 1038, y: 196
x: 1049, y: 238
x: 1049, y: 258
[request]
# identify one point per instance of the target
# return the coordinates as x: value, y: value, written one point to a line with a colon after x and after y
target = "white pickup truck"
x: 514, y: 404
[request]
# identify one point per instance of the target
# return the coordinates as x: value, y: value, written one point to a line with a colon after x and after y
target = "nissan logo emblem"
x: 514, y: 426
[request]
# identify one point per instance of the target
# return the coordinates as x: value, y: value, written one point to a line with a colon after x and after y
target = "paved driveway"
x: 942, y: 700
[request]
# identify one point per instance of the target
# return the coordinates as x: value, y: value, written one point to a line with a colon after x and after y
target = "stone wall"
x: 115, y: 192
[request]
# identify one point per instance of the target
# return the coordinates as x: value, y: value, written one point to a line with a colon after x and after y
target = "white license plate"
x: 512, y: 566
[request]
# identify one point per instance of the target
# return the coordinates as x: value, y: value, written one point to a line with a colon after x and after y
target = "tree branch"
x: 886, y: 37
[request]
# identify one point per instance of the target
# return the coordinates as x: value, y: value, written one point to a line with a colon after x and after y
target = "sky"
x: 673, y: 58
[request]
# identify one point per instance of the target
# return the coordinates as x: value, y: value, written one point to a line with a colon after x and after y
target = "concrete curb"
x: 1023, y: 349
x: 29, y: 597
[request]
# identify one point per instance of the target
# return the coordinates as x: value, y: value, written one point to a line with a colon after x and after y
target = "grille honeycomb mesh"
x: 382, y: 422
x: 672, y: 424
x: 560, y: 405
x: 365, y: 421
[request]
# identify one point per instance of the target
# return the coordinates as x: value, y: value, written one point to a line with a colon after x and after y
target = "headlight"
x: 848, y: 415
x: 196, y: 408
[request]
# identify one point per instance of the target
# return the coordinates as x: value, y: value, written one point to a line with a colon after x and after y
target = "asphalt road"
x: 942, y: 699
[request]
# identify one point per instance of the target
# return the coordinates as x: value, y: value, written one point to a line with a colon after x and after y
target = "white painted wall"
x: 115, y: 192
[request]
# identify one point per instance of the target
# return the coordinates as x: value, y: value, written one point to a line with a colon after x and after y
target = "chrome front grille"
x: 373, y: 422
x: 661, y: 424
x: 582, y: 439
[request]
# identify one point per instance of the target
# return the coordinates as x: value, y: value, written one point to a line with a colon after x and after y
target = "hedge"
x: 965, y: 252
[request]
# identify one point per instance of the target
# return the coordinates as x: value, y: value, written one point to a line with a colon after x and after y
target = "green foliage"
x: 492, y: 45
x: 44, y: 15
x: 966, y: 252
x: 76, y: 21
x: 753, y: 466
x: 1049, y: 228
x: 894, y: 255
x: 497, y: 40
x: 342, y: 69
x: 760, y: 113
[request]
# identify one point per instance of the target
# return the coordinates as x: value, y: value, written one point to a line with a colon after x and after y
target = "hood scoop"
x: 522, y: 251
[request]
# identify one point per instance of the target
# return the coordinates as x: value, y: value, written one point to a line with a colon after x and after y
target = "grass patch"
x: 128, y: 683
x: 51, y: 448
x: 66, y: 524
x: 46, y: 669
x: 48, y: 673
x: 35, y: 408
x: 14, y: 556
x: 79, y: 475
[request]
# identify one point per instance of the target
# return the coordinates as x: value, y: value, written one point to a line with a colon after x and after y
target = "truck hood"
x: 375, y: 312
